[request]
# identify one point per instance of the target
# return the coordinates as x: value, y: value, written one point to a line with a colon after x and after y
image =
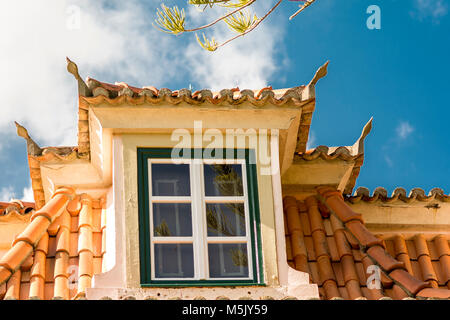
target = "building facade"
x: 213, y: 195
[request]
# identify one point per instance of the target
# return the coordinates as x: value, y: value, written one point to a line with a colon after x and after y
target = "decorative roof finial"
x: 359, y: 144
x: 83, y: 89
x: 320, y: 73
x: 32, y: 147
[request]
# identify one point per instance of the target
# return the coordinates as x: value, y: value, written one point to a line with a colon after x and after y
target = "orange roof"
x: 59, y: 251
x: 327, y: 239
x: 95, y: 91
x: 17, y: 206
x: 110, y: 93
x: 416, y: 194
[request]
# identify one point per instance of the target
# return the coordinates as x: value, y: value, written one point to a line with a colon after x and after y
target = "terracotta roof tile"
x: 361, y: 272
x: 399, y: 245
x: 416, y: 271
x: 314, y: 269
x: 120, y: 92
x: 373, y: 294
x: 13, y: 286
x: 379, y: 255
x: 51, y: 263
x: 309, y: 245
x: 327, y: 153
x: 315, y: 219
x: 434, y: 293
x: 416, y: 194
x: 339, y: 263
x: 421, y: 245
x: 364, y: 237
x: 343, y: 294
x: 432, y: 249
x: 426, y: 266
x: 320, y: 244
x: 354, y: 290
x: 445, y: 265
x: 357, y: 255
x: 325, y: 269
x: 408, y: 282
x: 26, y: 276
x: 288, y: 248
x: 331, y: 243
x: 411, y: 249
x: 16, y: 206
x: 74, y: 224
x: 342, y: 244
x: 349, y: 269
x: 397, y: 293
x: 442, y: 246
x: 353, y: 242
x: 389, y: 245
x: 328, y: 227
x: 337, y: 269
x: 305, y: 223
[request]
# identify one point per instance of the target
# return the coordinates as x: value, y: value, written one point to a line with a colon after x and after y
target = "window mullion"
x: 197, y: 210
x: 248, y: 224
x: 205, y: 262
x: 150, y: 213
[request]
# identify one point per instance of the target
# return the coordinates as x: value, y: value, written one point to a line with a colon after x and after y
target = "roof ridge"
x: 113, y: 93
x: 328, y: 153
x: 375, y: 249
x: 15, y: 205
x: 25, y: 243
x: 380, y: 193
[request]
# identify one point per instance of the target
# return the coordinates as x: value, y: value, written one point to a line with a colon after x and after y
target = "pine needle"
x: 170, y: 20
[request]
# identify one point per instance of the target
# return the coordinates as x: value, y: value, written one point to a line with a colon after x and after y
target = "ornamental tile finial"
x: 83, y: 89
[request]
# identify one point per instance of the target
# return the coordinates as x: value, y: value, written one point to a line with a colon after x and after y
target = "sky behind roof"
x: 397, y: 74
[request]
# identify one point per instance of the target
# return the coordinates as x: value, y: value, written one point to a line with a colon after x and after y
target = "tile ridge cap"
x: 399, y: 193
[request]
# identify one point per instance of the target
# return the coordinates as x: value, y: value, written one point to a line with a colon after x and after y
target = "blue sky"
x: 398, y: 75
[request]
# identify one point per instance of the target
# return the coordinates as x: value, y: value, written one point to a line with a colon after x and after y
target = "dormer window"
x: 199, y: 220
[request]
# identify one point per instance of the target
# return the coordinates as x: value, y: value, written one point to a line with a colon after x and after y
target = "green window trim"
x: 143, y: 154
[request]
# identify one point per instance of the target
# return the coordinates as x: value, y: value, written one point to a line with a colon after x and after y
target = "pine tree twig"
x: 221, y: 18
x: 172, y: 20
x: 303, y: 7
x: 253, y: 27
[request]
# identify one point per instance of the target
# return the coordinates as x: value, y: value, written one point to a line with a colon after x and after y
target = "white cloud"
x: 389, y: 161
x: 248, y: 62
x: 311, y: 141
x: 434, y: 9
x: 6, y: 194
x: 115, y: 40
x: 28, y: 194
x: 404, y: 130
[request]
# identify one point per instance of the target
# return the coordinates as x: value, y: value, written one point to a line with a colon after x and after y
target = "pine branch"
x: 221, y: 18
x: 302, y: 7
x: 172, y: 20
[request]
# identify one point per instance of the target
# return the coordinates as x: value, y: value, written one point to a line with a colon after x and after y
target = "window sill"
x: 202, y: 284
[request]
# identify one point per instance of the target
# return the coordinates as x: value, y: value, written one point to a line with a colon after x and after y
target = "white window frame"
x: 198, y: 202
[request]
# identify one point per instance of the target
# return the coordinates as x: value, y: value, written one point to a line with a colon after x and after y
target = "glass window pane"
x: 174, y: 261
x: 170, y: 179
x: 225, y: 219
x: 228, y: 260
x: 172, y: 219
x: 223, y: 180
